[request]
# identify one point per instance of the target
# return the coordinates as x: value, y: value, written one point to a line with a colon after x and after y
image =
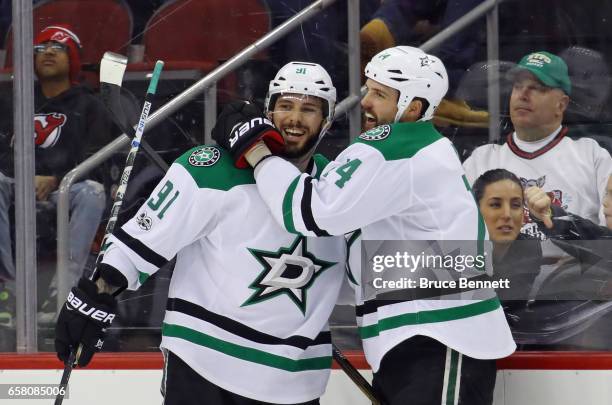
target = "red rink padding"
x: 154, y: 361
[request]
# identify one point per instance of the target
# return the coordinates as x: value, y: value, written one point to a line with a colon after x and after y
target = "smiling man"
x: 400, y: 180
x: 302, y: 115
x: 247, y: 316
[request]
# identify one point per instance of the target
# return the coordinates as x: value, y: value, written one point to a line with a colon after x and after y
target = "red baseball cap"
x: 63, y: 34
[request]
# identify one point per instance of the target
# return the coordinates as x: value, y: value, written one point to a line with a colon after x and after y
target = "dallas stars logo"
x: 206, y: 156
x: 290, y: 271
x: 376, y: 134
x: 425, y: 61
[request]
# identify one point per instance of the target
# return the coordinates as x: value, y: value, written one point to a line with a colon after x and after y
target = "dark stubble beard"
x: 303, y: 151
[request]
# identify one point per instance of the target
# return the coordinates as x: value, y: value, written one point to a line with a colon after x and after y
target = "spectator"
x: 554, y: 221
x: 68, y: 120
x: 566, y: 229
x: 403, y: 22
x: 579, y: 290
x: 539, y: 152
x: 499, y: 194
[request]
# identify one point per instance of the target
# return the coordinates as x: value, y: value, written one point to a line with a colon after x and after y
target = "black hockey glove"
x: 240, y: 126
x: 83, y: 321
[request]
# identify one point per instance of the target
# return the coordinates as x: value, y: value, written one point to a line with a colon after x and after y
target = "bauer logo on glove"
x: 245, y: 127
x: 88, y: 310
x: 240, y: 126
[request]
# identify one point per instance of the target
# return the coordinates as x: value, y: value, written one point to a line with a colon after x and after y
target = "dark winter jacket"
x: 68, y: 128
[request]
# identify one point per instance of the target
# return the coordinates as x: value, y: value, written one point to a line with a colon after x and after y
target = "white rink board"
x: 133, y: 387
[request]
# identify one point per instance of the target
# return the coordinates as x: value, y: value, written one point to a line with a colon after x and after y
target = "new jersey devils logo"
x: 47, y: 128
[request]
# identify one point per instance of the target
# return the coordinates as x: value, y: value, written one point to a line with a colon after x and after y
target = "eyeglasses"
x: 55, y: 47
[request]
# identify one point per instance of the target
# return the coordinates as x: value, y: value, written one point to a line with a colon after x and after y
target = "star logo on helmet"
x: 289, y: 271
x: 425, y: 61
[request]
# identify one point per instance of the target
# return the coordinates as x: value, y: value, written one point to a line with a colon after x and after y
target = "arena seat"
x: 190, y: 34
x: 200, y: 35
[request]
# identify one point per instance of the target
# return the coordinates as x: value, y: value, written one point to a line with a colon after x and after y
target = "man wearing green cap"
x: 540, y: 151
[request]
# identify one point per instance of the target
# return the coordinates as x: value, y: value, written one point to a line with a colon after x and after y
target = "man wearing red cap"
x: 69, y: 120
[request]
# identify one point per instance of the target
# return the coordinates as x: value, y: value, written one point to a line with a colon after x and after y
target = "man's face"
x: 379, y: 105
x: 299, y: 118
x: 607, y: 203
x: 51, y: 61
x: 534, y: 106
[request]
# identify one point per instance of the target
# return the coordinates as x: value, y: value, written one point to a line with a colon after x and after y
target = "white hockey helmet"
x: 413, y: 73
x: 304, y: 78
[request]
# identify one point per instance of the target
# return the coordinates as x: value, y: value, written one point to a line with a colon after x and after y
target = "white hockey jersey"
x: 396, y: 182
x: 248, y: 303
x: 573, y: 172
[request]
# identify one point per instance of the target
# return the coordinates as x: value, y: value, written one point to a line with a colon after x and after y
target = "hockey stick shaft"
x: 355, y: 376
x: 65, y: 377
x: 129, y: 162
x: 125, y: 176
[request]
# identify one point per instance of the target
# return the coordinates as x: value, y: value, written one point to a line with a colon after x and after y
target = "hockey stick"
x: 125, y: 176
x: 361, y: 383
x: 112, y: 69
x: 129, y: 163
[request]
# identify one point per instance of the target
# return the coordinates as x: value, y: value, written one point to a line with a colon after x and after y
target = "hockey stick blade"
x: 112, y: 70
x: 110, y: 226
x: 364, y: 386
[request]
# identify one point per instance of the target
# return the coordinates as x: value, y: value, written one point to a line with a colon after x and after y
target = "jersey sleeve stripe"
x: 432, y: 316
x: 239, y: 329
x: 288, y: 207
x: 306, y: 208
x: 349, y: 243
x: 481, y: 223
x: 140, y: 248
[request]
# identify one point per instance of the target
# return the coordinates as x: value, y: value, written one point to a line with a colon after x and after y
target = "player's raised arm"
x: 354, y: 190
x: 372, y: 179
x: 176, y: 213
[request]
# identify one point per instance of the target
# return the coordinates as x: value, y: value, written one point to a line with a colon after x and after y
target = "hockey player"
x: 248, y: 305
x: 540, y: 152
x: 400, y: 180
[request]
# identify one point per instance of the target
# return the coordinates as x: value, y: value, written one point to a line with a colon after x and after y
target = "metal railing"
x: 25, y: 203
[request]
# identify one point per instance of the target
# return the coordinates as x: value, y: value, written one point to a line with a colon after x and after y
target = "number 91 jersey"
x: 249, y: 302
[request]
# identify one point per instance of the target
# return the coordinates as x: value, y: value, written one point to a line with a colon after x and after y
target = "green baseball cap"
x: 550, y: 69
